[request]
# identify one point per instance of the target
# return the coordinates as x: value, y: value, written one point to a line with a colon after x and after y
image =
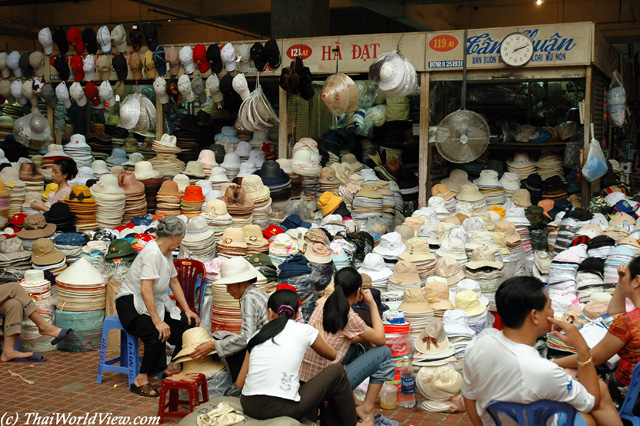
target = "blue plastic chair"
x: 626, y: 410
x: 534, y: 414
x: 129, y: 358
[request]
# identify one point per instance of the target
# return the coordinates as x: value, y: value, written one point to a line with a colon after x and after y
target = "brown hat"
x: 29, y: 173
x: 135, y: 63
x: 44, y: 253
x: 35, y: 226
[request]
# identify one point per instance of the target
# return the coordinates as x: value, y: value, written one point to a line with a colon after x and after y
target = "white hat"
x: 243, y: 149
x: 247, y: 168
x: 257, y: 157
x: 213, y: 86
x: 16, y: 92
x: 6, y: 72
x: 160, y: 87
x: 240, y: 85
x: 186, y: 58
x: 106, y: 92
x: 119, y: 37
x: 374, y: 266
x: 184, y: 86
x: 99, y: 167
x: 228, y: 56
x: 455, y: 322
x: 104, y: 39
x: 472, y: 285
x: 77, y: 93
x: 63, y: 94
x: 391, y: 245
x: 235, y: 270
x: 243, y: 52
x: 89, y: 67
x: 13, y: 62
x: 46, y: 40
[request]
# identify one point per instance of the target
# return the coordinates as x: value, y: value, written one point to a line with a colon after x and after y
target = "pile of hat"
x: 192, y: 201
x: 17, y: 189
x: 54, y: 152
x: 306, y: 163
x: 510, y: 182
x: 521, y: 164
x: 13, y: 254
x: 231, y: 165
x: 32, y: 178
x: 118, y: 157
x: 260, y: 196
x: 136, y: 202
x: 208, y: 160
x: 486, y: 271
x: 165, y: 160
x: 82, y: 204
x: 367, y: 202
x: 199, y: 240
x: 62, y: 217
x: 238, y: 205
x: 110, y: 201
x: 417, y: 252
x: 232, y: 243
x: 168, y: 199
x: 256, y: 243
x: 470, y: 200
x: 490, y: 187
x: 151, y: 179
x: 45, y: 257
x: 278, y: 182
x: 417, y: 311
x: 81, y: 288
x: 217, y: 217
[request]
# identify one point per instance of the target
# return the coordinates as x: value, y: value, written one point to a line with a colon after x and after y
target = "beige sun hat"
x: 414, y: 300
x: 191, y: 339
x: 468, y: 301
x: 437, y: 294
x: 235, y: 270
x: 469, y: 192
x: 439, y: 383
x: 484, y: 256
x: 318, y: 253
x: 417, y: 251
x: 432, y: 339
x: 254, y: 189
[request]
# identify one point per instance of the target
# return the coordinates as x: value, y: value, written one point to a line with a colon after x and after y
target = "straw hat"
x: 255, y: 190
x: 439, y: 383
x: 144, y: 170
x: 414, y: 301
x: 197, y: 230
x: 468, y: 301
x: 340, y: 94
x: 191, y: 339
x: 318, y: 253
x: 253, y: 235
x: 521, y: 198
x: 233, y: 237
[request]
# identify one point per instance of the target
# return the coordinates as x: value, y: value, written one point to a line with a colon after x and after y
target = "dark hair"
x: 335, y: 316
x: 634, y: 267
x: 517, y: 297
x: 68, y: 167
x: 285, y: 304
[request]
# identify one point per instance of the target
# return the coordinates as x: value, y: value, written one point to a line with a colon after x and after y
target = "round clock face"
x: 516, y: 49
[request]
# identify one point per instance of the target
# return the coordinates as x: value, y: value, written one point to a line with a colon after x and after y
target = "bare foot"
x: 363, y: 413
x: 368, y: 422
x: 172, y: 368
x: 11, y: 354
x: 50, y: 330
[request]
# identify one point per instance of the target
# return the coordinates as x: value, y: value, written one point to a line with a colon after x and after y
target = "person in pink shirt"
x: 63, y: 170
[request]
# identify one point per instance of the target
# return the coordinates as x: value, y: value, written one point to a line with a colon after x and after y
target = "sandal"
x: 145, y: 390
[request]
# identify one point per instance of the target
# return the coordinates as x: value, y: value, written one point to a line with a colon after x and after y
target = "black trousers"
x: 331, y: 384
x: 154, y: 360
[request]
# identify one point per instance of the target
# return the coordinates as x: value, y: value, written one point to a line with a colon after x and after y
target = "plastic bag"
x: 137, y: 113
x: 596, y: 165
x: 617, y: 100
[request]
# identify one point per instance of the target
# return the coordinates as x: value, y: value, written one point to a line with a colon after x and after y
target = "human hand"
x: 36, y: 205
x: 192, y: 315
x: 568, y: 334
x: 368, y: 297
x: 203, y: 350
x: 164, y: 331
x: 622, y: 270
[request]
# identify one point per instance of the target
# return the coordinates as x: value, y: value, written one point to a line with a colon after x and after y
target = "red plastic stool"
x: 172, y: 384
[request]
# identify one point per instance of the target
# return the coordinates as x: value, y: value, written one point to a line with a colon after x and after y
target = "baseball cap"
x: 213, y: 55
x: 16, y: 92
x: 136, y: 66
x: 258, y: 56
x: 37, y: 84
x: 25, y: 66
x: 48, y: 93
x: 106, y: 93
x: 63, y: 94
x: 186, y: 58
x: 213, y: 86
x: 36, y: 60
x: 75, y: 39
x: 4, y: 68
x: 184, y: 86
x: 151, y: 35
x: 91, y: 92
x: 27, y: 92
x: 13, y: 62
x: 160, y: 87
x: 89, y: 67
x: 228, y: 56
x: 46, y: 40
x: 273, y: 53
x: 77, y: 93
x: 197, y: 85
x: 160, y: 60
x: 120, y: 65
x: 149, y: 65
x: 90, y: 41
x: 244, y: 57
x: 77, y: 65
x: 103, y: 64
x: 104, y: 39
x: 119, y: 38
x: 120, y: 89
x: 200, y: 57
x: 62, y: 67
x: 173, y: 57
x: 135, y: 35
x: 60, y: 38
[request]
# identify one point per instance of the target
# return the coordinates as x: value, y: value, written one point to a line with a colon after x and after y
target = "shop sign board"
x: 355, y: 53
x: 554, y: 45
x: 605, y: 56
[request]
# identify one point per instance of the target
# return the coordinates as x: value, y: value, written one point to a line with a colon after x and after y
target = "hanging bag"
x: 596, y: 165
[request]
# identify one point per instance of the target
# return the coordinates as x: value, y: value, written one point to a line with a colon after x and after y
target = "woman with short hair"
x: 145, y: 309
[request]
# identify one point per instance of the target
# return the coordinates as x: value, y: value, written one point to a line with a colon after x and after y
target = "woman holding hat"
x: 343, y: 329
x: 271, y: 390
x: 145, y: 309
x: 63, y: 170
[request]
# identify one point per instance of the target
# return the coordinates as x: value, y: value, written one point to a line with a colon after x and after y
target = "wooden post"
x: 159, y: 119
x: 588, y: 99
x: 425, y: 150
x: 283, y: 133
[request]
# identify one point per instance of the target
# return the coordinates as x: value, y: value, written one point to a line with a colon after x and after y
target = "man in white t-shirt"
x: 504, y: 366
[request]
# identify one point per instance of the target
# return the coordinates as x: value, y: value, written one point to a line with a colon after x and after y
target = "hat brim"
x: 484, y: 264
x: 443, y: 347
x: 185, y: 353
x: 415, y: 307
x: 33, y: 234
x: 477, y: 310
x: 51, y: 259
x: 238, y: 278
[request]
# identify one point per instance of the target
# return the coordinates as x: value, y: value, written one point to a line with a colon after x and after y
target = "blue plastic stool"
x: 129, y: 359
x: 534, y: 414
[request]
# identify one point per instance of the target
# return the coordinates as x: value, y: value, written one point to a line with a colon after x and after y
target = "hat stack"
x: 151, y: 188
x: 328, y: 180
x: 165, y: 160
x: 192, y: 201
x: 486, y: 271
x: 84, y: 206
x: 168, y: 199
x: 390, y: 247
x: 417, y: 311
x: 438, y: 384
x: 217, y: 177
x: 590, y: 278
x: 70, y: 244
x: 619, y: 255
x: 227, y: 138
x: 600, y: 246
x: 120, y: 250
x: 278, y: 182
x: 62, y: 217
x: 134, y: 158
x: 469, y: 302
x: 199, y: 241
x: 17, y: 189
x: 282, y: 246
x: 554, y: 188
x: 34, y: 227
x: 550, y: 164
x: 256, y: 243
x: 375, y: 267
x: 32, y: 178
x: 454, y: 248
x: 417, y: 252
x: 118, y: 157
x: 238, y: 205
x: 367, y: 202
x: 405, y: 276
x: 441, y: 190
x: 449, y: 269
x: 194, y: 171
x: 438, y: 295
x: 456, y: 179
x: 136, y: 202
x: 232, y: 243
x: 521, y: 164
x: 388, y: 200
x: 510, y: 181
x: 146, y: 149
x: 490, y: 187
x: 217, y: 217
x: 437, y: 205
x: 348, y: 191
x: 13, y: 254
x: 433, y: 352
x: 231, y: 164
x: 260, y: 196
x: 562, y: 273
x: 45, y: 257
x: 110, y: 201
x: 54, y: 152
x: 5, y: 200
x: 470, y: 194
x: 81, y: 288
x: 208, y: 160
x: 456, y: 326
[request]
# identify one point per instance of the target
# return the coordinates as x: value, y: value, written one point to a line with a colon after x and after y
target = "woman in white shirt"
x: 269, y: 376
x: 145, y: 309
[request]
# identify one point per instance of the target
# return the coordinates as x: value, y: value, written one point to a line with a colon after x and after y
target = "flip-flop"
x: 65, y: 333
x: 380, y: 420
x: 32, y: 358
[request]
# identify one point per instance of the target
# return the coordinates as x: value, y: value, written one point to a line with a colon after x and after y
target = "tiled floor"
x: 66, y: 384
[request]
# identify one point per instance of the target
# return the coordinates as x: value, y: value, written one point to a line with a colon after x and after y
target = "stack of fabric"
x: 136, y: 202
x: 60, y: 215
x: 110, y: 201
x: 350, y: 189
x: 375, y: 267
x: 166, y: 160
x: 168, y: 199
x: 562, y: 274
x: 278, y: 182
x: 510, y: 181
x: 192, y: 201
x: 388, y: 200
x: 39, y: 290
x: 405, y: 276
x: 199, y: 241
x: 367, y: 202
x: 32, y: 178
x: 521, y: 164
x: 590, y: 278
x: 232, y: 243
x: 486, y: 271
x: 81, y: 288
x: 256, y: 243
x: 260, y: 196
x: 417, y: 252
x: 231, y: 164
x: 54, y: 152
x: 84, y: 206
x: 490, y: 187
x: 45, y: 257
x: 217, y: 217
x: 617, y: 256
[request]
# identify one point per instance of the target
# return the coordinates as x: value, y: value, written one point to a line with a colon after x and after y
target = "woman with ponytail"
x: 343, y: 329
x: 269, y: 375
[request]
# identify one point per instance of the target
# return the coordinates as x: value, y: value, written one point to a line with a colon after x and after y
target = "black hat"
x: 495, y: 165
x: 231, y: 97
x: 258, y: 56
x: 25, y: 66
x: 213, y: 55
x: 534, y: 182
x: 580, y: 214
x: 13, y: 149
x: 219, y: 152
x: 594, y: 265
x: 61, y: 65
x: 270, y: 168
x: 135, y: 35
x: 272, y: 52
x: 151, y: 34
x: 120, y: 65
x: 601, y: 241
x: 48, y: 93
x: 60, y: 38
x: 89, y: 38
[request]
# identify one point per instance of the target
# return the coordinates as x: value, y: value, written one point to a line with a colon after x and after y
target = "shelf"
x: 527, y: 145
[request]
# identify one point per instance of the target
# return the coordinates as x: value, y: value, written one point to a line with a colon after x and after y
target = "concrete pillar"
x: 299, y: 18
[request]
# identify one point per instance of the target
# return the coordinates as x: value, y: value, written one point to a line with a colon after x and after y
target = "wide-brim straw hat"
x: 191, y: 339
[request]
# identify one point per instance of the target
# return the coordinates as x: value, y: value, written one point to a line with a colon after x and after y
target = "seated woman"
x: 623, y: 337
x: 343, y: 329
x: 16, y: 305
x: 272, y: 389
x: 145, y: 309
x: 63, y: 170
